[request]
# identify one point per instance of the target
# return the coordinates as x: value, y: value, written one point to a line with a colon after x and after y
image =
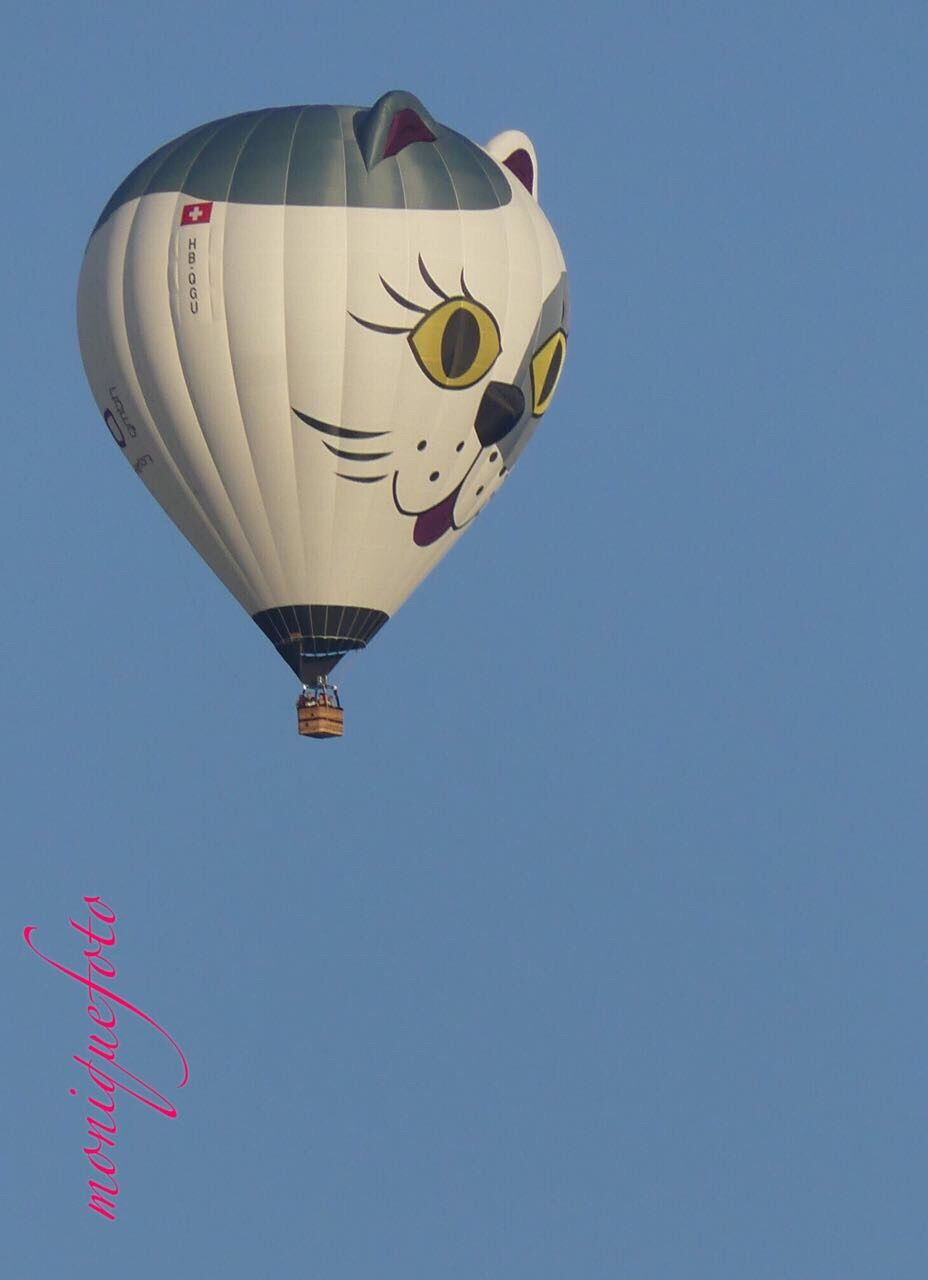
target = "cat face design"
x: 465, y: 399
x: 453, y: 325
x: 458, y: 345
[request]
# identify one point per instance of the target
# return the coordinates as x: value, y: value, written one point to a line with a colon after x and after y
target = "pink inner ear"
x: 406, y: 127
x: 520, y: 163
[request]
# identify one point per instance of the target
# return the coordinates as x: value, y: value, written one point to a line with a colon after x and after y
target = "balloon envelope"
x: 322, y: 336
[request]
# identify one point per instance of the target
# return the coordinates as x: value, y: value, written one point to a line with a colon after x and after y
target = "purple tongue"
x: 431, y: 524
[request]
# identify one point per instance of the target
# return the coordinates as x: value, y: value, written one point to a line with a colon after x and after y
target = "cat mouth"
x: 431, y: 524
x: 434, y: 522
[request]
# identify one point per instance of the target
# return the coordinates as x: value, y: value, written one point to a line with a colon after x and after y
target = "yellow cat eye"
x: 547, y: 363
x: 456, y: 343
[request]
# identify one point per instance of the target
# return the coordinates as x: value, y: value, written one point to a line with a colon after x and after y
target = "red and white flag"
x: 194, y: 215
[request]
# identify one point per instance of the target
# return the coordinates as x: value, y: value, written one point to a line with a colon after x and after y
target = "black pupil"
x: 554, y: 369
x: 459, y: 343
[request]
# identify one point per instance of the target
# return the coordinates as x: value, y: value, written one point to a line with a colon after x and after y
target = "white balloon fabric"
x: 322, y: 337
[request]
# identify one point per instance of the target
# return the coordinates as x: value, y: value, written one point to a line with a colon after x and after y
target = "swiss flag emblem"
x: 194, y: 215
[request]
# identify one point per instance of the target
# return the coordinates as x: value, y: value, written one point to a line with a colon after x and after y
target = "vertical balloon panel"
x: 110, y: 363
x: 163, y: 380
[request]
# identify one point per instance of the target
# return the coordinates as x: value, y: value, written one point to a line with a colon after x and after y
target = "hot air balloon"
x: 322, y: 336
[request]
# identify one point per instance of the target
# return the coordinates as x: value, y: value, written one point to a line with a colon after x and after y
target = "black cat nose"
x: 500, y: 409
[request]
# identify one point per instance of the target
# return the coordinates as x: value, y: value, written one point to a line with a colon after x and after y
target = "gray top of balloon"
x: 324, y: 155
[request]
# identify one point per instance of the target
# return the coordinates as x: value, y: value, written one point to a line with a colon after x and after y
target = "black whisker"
x: 404, y: 302
x: 360, y: 479
x: 354, y: 457
x: 380, y: 328
x: 429, y: 281
x: 464, y: 289
x: 326, y: 428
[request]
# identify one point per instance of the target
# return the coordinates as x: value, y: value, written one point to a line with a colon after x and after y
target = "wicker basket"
x: 317, y: 720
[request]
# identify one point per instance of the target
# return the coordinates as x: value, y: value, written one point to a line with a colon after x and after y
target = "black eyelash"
x: 409, y: 304
x: 423, y: 272
x: 380, y: 328
x: 404, y: 302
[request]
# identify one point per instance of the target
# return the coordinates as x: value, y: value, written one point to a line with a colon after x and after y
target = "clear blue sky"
x: 597, y: 947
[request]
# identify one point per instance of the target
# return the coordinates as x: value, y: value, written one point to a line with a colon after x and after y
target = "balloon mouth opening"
x: 436, y: 521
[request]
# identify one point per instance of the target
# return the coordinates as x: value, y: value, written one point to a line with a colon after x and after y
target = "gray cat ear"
x: 515, y: 151
x: 394, y: 121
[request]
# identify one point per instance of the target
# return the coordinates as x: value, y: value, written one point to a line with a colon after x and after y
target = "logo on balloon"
x: 115, y: 428
x: 194, y: 214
